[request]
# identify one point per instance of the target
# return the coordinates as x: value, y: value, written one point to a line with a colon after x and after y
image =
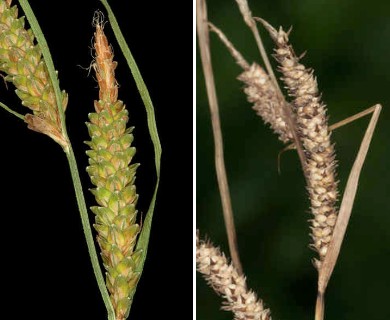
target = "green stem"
x: 16, y: 114
x: 71, y: 159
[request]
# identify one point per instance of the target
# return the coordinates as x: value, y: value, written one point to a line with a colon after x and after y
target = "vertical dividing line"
x: 203, y: 36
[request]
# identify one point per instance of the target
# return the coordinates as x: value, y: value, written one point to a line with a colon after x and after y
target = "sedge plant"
x: 26, y: 63
x: 300, y: 119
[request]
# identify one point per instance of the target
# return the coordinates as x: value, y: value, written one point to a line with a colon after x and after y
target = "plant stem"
x: 288, y: 114
x: 71, y: 158
x: 16, y: 114
x: 88, y: 232
x: 264, y: 56
x: 290, y: 119
x: 203, y: 35
x: 320, y: 306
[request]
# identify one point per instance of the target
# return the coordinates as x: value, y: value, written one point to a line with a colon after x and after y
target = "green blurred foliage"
x: 348, y: 46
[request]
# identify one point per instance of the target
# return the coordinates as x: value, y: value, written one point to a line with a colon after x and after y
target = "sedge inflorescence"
x: 310, y: 122
x: 312, y: 126
x: 111, y: 172
x: 223, y: 277
x: 21, y: 61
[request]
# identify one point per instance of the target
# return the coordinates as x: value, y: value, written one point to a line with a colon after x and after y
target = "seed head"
x: 113, y: 176
x: 312, y: 123
x: 21, y: 61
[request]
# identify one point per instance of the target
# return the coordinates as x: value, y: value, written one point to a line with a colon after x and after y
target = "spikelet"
x: 226, y: 281
x: 111, y: 173
x: 260, y: 91
x: 22, y: 62
x: 313, y: 130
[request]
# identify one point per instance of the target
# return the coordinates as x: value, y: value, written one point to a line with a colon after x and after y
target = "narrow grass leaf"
x: 346, y: 205
x: 71, y: 159
x: 143, y: 239
x: 16, y: 114
x: 220, y: 169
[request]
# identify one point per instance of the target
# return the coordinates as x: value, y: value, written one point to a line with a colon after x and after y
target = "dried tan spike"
x: 225, y: 280
x: 260, y: 91
x: 313, y: 131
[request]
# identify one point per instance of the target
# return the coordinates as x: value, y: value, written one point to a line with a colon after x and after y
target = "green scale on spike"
x: 21, y: 61
x: 115, y: 221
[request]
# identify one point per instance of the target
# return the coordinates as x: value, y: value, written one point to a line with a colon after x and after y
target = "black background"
x: 45, y: 268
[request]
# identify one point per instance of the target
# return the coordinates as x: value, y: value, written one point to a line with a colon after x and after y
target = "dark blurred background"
x: 348, y: 45
x: 45, y: 268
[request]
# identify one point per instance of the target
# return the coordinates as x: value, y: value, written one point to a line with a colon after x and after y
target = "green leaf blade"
x: 143, y: 240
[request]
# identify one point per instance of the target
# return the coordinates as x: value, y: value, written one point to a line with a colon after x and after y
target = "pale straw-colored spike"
x: 312, y: 122
x: 259, y: 90
x: 226, y: 281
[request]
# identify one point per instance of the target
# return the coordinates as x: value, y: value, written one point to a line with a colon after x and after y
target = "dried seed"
x: 320, y: 218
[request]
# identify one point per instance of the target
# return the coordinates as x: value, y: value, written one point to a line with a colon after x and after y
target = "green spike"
x: 110, y: 171
x: 21, y: 61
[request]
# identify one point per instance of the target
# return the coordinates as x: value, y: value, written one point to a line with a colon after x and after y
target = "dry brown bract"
x: 105, y: 66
